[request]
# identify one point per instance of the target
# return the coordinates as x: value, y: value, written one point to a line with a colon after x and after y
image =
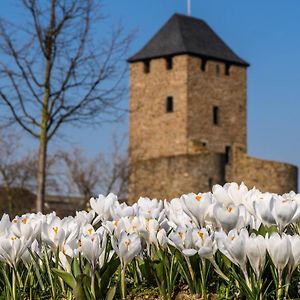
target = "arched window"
x: 169, y: 104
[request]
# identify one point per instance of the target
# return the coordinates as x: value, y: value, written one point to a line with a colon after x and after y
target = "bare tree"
x: 18, y: 169
x: 53, y: 72
x: 83, y: 175
x: 102, y: 174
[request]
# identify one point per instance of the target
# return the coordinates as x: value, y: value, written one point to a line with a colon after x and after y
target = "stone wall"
x: 266, y: 175
x: 153, y: 132
x: 184, y: 151
x: 210, y: 88
x: 169, y: 177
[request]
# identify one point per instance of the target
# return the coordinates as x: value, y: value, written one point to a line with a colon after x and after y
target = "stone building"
x: 188, y: 131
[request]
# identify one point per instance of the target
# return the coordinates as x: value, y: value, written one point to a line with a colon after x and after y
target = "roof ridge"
x: 180, y: 31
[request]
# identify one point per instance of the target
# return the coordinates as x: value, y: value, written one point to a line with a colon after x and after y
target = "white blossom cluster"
x: 194, y: 224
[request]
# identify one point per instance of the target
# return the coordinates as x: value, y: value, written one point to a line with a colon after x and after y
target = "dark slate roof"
x: 187, y: 35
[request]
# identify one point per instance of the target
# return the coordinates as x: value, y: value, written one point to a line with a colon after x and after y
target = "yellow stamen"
x: 24, y: 220
x: 115, y: 223
x: 180, y: 234
x: 55, y: 229
x: 127, y: 242
x: 13, y: 238
x: 198, y: 198
x: 90, y: 231
x: 201, y: 234
x: 229, y: 209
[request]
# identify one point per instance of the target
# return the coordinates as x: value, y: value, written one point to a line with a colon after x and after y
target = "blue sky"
x: 265, y: 33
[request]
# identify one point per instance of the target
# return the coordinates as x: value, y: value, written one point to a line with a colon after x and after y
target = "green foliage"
x: 164, y: 272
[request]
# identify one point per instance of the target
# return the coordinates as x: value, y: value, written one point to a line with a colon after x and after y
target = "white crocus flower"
x: 294, y: 259
x: 12, y: 249
x: 71, y: 228
x: 256, y: 249
x: 250, y: 198
x: 204, y: 243
x: 127, y: 224
x: 227, y: 215
x: 284, y: 211
x: 176, y: 215
x: 87, y: 230
x: 22, y: 226
x: 4, y: 225
x: 244, y: 218
x: 84, y: 217
x: 92, y: 247
x: 196, y: 206
x: 148, y: 230
x: 27, y: 255
x: 182, y: 239
x: 53, y: 234
x: 233, y: 246
x: 296, y: 197
x: 120, y: 210
x: 103, y: 207
x: 230, y: 193
x: 264, y: 206
x: 148, y: 208
x: 162, y: 238
x: 127, y: 246
x: 279, y: 248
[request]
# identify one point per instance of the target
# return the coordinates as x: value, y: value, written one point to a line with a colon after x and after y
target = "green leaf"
x: 68, y: 278
x: 111, y: 293
x: 75, y: 267
x: 80, y: 288
x: 108, y: 274
x: 264, y: 230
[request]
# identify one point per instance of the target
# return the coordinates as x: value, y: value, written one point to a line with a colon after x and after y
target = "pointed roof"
x: 187, y: 35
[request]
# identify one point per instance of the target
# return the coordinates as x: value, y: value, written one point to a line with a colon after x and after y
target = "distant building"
x: 188, y: 131
x: 18, y: 201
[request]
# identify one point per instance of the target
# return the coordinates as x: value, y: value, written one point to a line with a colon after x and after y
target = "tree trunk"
x: 41, y: 179
x: 41, y: 176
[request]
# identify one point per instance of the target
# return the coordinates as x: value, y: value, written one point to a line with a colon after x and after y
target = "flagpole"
x: 189, y: 7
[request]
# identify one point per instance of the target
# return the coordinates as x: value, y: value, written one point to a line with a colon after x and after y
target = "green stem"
x: 218, y: 270
x: 14, y: 285
x: 203, y: 280
x: 190, y: 268
x: 123, y: 283
x: 93, y: 284
x: 50, y: 275
x: 287, y: 285
x: 279, y: 291
x: 244, y: 270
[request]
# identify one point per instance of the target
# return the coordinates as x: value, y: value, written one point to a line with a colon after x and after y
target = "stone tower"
x: 188, y: 114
